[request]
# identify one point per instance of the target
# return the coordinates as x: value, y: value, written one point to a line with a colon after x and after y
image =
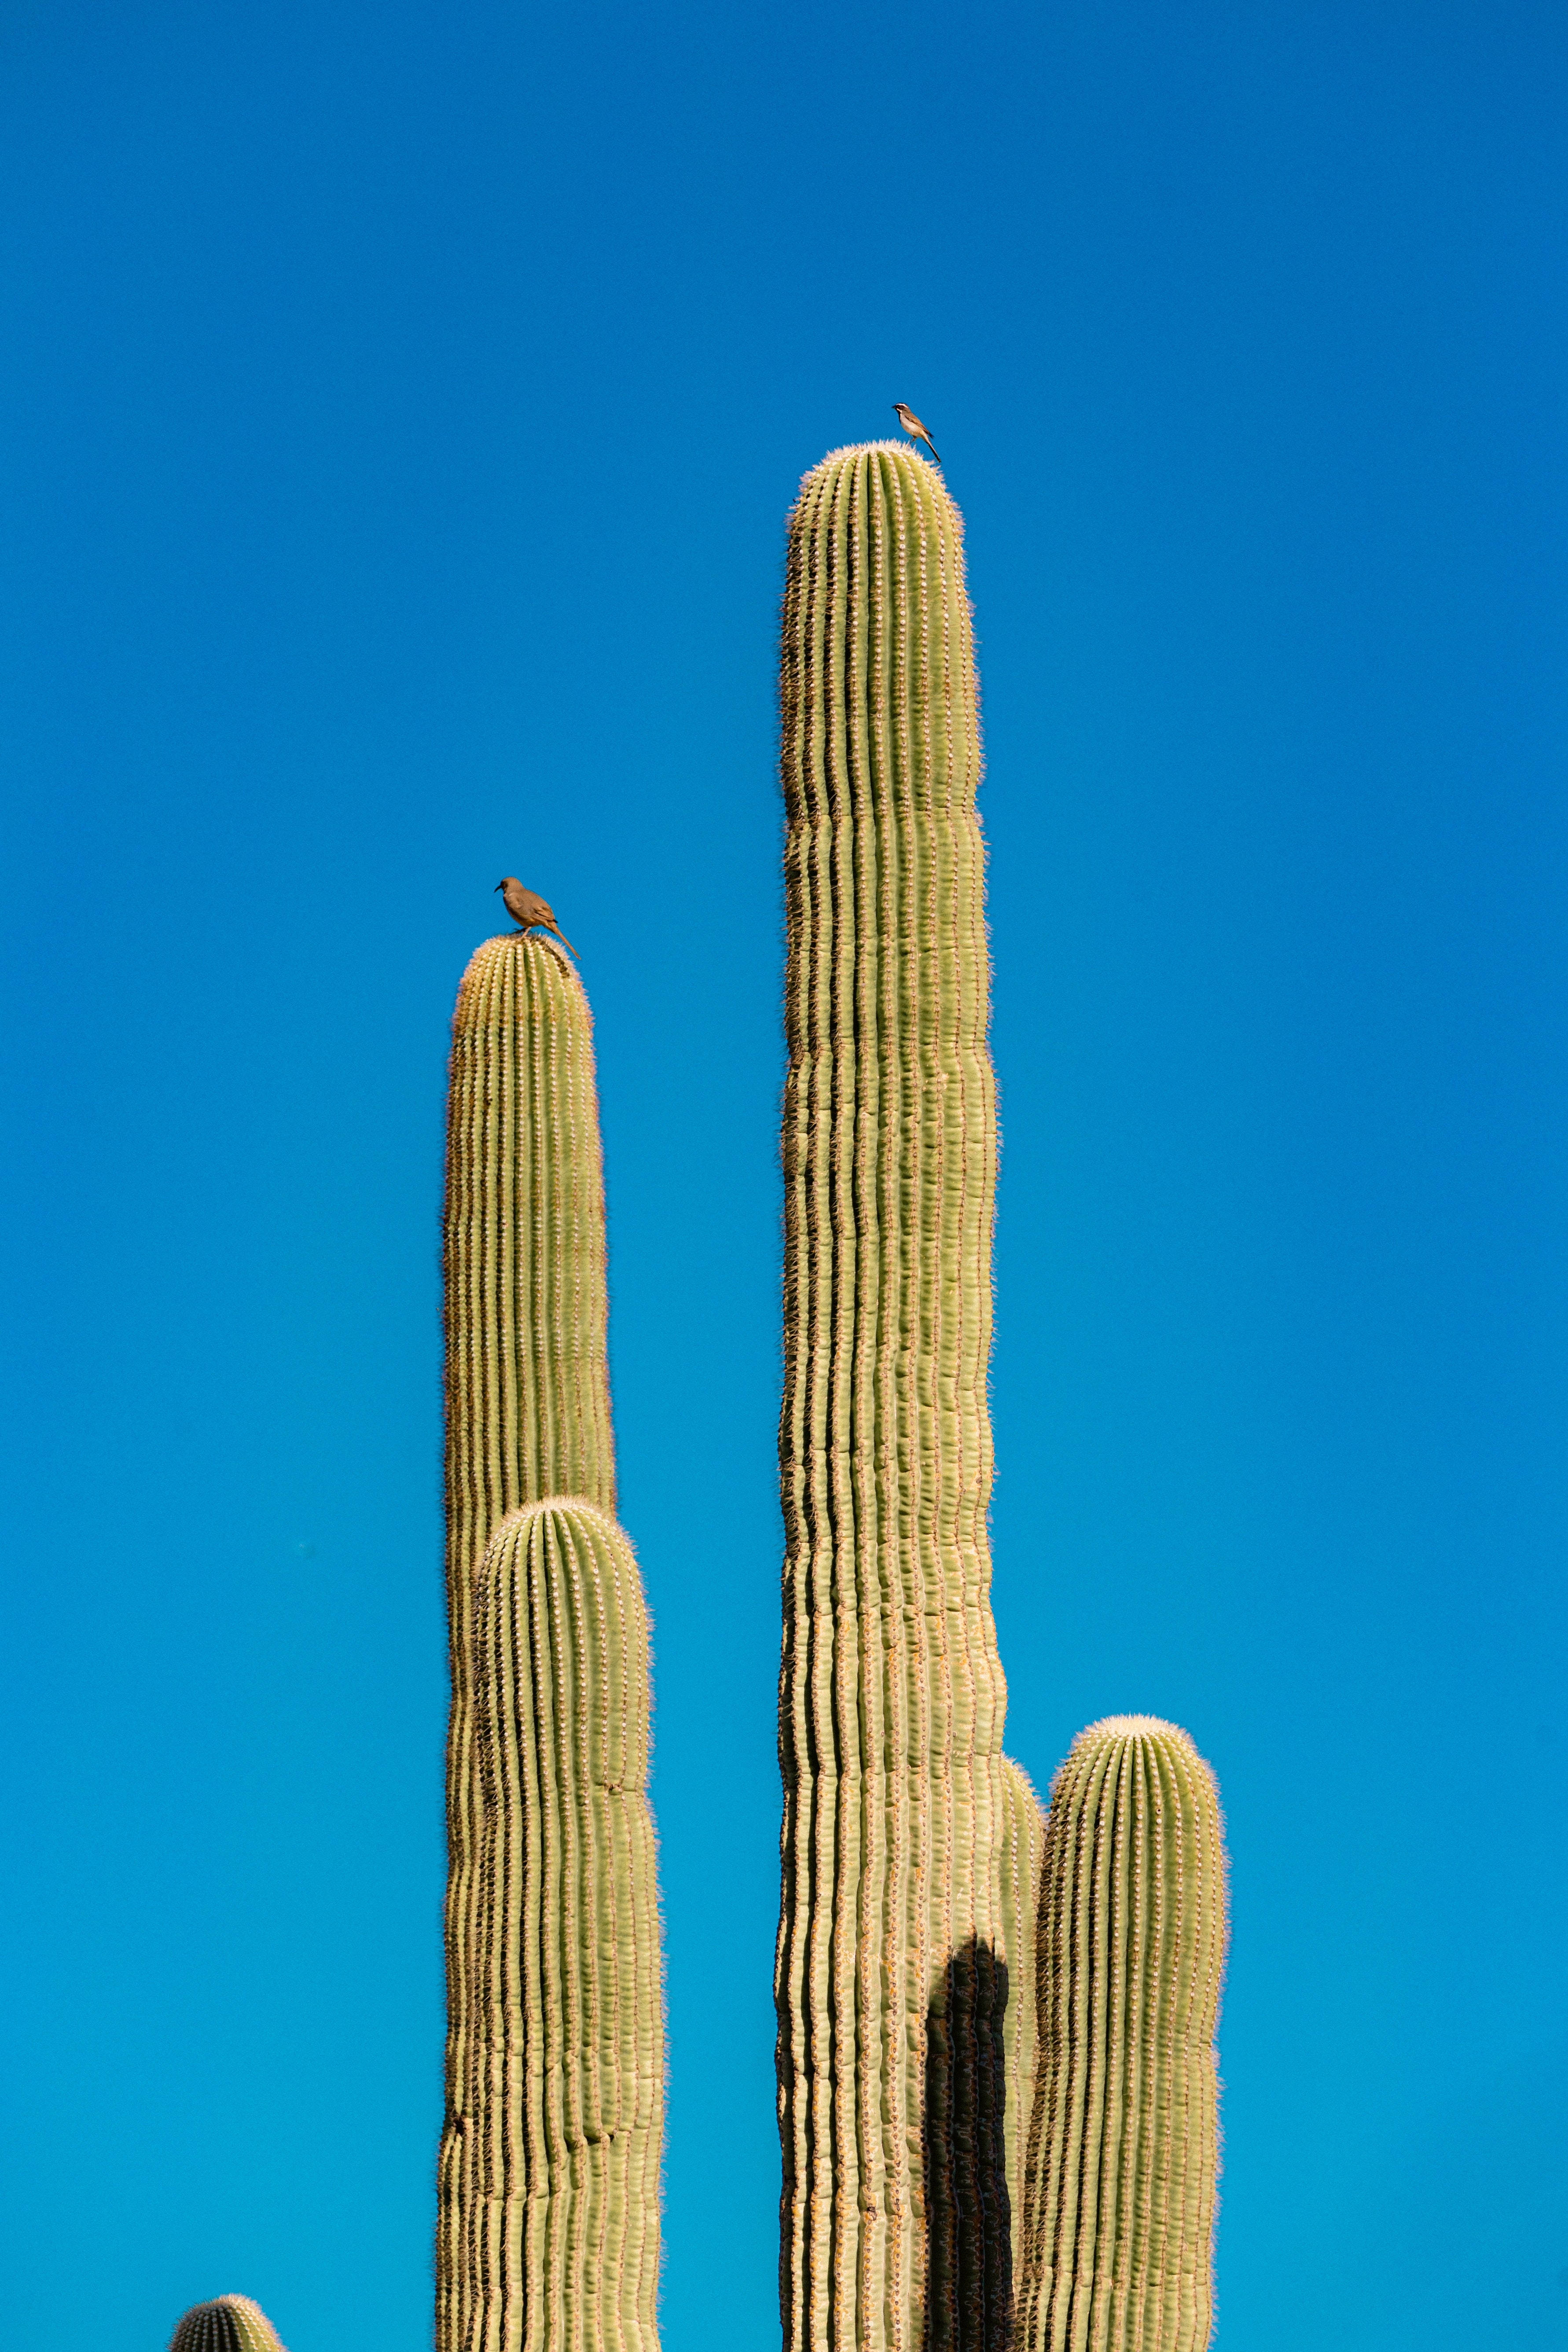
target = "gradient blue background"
x: 399, y: 405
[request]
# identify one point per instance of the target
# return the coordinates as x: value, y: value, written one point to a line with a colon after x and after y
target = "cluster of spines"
x: 892, y: 1697
x: 231, y: 2323
x: 549, y: 2223
x: 1117, y: 2252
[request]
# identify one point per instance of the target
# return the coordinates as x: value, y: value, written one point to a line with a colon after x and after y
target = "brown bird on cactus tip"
x: 528, y: 910
x: 913, y: 426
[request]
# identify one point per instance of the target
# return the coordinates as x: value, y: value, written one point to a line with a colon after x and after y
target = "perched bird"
x: 527, y: 907
x: 913, y: 426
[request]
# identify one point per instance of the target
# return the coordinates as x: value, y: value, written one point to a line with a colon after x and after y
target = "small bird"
x: 528, y: 908
x: 913, y: 426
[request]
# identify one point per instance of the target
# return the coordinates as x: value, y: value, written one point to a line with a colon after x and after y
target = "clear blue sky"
x: 399, y: 405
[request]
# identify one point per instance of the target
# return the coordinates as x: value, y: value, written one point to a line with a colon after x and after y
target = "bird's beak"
x: 500, y: 886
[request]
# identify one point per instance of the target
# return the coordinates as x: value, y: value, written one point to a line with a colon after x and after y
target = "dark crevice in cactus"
x: 969, y: 2246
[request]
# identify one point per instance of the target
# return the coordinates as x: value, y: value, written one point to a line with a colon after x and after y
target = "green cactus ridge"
x: 230, y: 2324
x: 1123, y: 2143
x: 892, y: 1696
x: 550, y: 2172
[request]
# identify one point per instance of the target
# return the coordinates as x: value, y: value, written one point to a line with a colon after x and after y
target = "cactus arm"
x: 1123, y: 2143
x: 556, y: 2188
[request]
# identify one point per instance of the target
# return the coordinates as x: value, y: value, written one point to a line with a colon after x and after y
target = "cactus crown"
x: 232, y: 2323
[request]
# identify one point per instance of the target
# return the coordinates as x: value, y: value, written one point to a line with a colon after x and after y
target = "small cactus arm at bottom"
x: 1123, y: 2148
x: 548, y: 2191
x: 230, y: 2324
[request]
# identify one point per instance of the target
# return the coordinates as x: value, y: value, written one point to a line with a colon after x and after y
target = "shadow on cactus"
x: 969, y: 2224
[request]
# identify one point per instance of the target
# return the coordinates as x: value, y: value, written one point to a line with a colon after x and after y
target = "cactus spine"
x: 548, y: 2232
x: 894, y: 2226
x: 1123, y: 2141
x: 230, y: 2324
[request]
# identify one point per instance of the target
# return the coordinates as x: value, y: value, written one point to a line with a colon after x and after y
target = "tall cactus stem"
x: 1124, y: 2137
x: 894, y: 2230
x: 548, y: 2220
x: 551, y: 2171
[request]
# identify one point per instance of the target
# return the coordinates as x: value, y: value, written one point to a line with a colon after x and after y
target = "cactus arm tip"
x: 229, y: 2323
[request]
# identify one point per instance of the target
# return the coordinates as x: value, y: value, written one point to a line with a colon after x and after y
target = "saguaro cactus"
x: 894, y: 2214
x: 1123, y: 2141
x: 548, y: 2229
x: 230, y: 2324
